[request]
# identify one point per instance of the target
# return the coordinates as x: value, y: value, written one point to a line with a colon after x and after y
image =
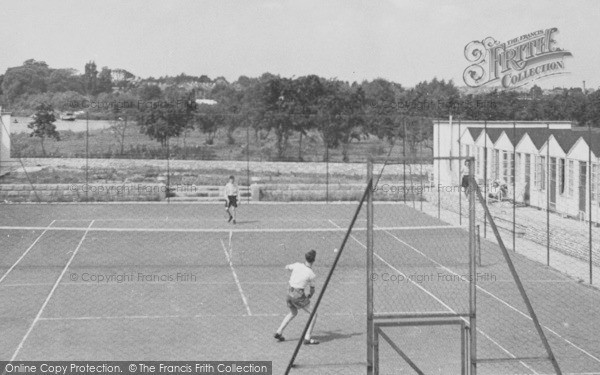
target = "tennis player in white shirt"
x: 302, y: 278
x: 232, y: 194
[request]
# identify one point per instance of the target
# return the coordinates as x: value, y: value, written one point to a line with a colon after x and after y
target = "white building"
x: 546, y: 164
x: 5, y: 160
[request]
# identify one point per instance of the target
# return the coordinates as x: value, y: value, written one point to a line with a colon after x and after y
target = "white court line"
x: 225, y: 230
x: 535, y: 281
x: 440, y: 301
x: 25, y: 253
x: 39, y: 314
x: 197, y: 220
x: 129, y: 283
x: 141, y: 317
x: 498, y: 299
x: 219, y: 203
x: 237, y: 281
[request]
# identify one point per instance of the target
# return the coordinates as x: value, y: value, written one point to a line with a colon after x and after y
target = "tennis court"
x: 176, y: 282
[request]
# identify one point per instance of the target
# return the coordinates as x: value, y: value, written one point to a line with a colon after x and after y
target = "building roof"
x: 566, y: 138
x: 495, y: 133
x: 593, y: 139
x: 539, y: 137
x: 475, y: 132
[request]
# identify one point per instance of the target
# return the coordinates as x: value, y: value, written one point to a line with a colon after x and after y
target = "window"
x: 594, y: 182
x: 536, y: 173
x: 527, y: 174
x: 505, y: 176
x: 598, y: 183
x: 561, y: 176
x: 467, y: 150
x: 493, y: 170
x: 479, y: 151
x: 571, y: 180
x: 518, y: 163
x: 512, y: 168
x: 542, y: 173
x: 496, y: 173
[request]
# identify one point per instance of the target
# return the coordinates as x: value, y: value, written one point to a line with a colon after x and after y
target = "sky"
x: 353, y: 40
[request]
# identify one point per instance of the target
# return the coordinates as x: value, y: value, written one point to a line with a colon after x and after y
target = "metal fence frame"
x: 469, y: 326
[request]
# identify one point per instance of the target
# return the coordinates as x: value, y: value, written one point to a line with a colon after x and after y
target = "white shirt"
x: 231, y: 189
x: 302, y: 275
x: 464, y: 170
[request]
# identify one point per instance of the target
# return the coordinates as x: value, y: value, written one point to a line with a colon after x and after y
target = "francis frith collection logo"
x: 516, y: 62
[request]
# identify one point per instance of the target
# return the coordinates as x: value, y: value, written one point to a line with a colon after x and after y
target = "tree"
x: 90, y: 78
x: 593, y: 109
x: 149, y: 92
x: 63, y: 80
x: 231, y: 102
x: 308, y: 92
x: 68, y: 101
x: 277, y: 107
x: 209, y: 119
x: 535, y: 91
x: 384, y: 107
x: 169, y: 119
x: 125, y: 108
x: 43, y: 125
x: 341, y: 118
x: 30, y: 78
x: 104, y: 82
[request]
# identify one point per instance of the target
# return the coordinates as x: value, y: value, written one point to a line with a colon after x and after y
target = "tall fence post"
x: 514, y: 186
x: 404, y: 161
x: 590, y: 198
x: 248, y: 159
x: 547, y: 182
x: 87, y: 156
x: 370, y: 338
x: 459, y: 169
x: 326, y: 173
x: 485, y: 174
x: 421, y: 173
x: 472, y: 270
x: 439, y: 171
x: 168, y: 193
x: 478, y: 246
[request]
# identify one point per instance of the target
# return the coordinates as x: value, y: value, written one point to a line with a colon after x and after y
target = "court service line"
x: 496, y: 298
x: 39, y: 314
x: 235, y: 277
x: 439, y: 301
x: 190, y: 283
x: 26, y: 252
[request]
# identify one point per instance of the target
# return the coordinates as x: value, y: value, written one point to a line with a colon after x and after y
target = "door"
x: 527, y: 178
x: 552, y: 182
x: 582, y: 187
